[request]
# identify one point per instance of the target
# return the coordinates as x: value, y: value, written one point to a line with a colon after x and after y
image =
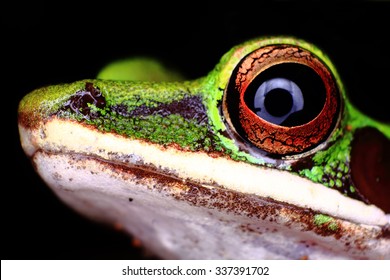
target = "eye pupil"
x: 276, y: 99
x: 278, y: 102
x: 296, y: 94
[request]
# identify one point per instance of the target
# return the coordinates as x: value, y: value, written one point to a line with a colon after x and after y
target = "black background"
x: 45, y: 44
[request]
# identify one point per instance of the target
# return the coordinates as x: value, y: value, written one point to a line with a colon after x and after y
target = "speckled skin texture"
x: 177, y: 220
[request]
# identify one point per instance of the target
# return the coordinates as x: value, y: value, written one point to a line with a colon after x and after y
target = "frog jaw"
x: 100, y: 176
x: 180, y: 220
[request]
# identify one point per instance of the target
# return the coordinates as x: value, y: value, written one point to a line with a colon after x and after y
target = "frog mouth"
x: 257, y: 215
x: 98, y: 173
x: 59, y: 136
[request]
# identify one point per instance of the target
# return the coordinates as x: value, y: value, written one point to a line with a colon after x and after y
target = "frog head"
x: 264, y: 157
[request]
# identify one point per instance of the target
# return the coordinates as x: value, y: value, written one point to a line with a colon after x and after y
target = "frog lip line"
x: 79, y: 183
x: 151, y: 200
x: 69, y: 136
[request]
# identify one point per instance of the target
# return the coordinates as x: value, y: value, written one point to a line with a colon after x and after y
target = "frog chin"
x: 169, y: 198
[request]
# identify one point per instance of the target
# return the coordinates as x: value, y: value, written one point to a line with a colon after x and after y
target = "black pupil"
x: 278, y: 102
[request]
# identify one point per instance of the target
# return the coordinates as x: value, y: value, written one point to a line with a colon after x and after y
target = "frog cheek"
x: 370, y: 166
x: 282, y: 99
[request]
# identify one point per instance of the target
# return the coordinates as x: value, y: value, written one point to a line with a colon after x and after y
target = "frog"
x: 264, y: 157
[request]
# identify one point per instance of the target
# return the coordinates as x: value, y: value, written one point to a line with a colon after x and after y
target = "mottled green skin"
x: 331, y: 162
x: 321, y: 220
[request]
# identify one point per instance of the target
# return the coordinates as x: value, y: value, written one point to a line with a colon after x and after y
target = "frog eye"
x: 283, y: 99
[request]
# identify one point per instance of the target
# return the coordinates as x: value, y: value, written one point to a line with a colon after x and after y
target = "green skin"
x: 321, y: 220
x: 190, y: 134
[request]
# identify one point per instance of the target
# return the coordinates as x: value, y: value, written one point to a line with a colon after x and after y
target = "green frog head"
x: 264, y: 157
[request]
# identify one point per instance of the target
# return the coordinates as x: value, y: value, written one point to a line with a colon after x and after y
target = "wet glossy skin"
x: 204, y: 139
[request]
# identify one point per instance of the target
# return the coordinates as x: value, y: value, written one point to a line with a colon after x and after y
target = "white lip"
x: 61, y: 136
x: 182, y: 220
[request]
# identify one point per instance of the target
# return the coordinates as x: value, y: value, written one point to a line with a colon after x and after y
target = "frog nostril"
x: 80, y: 102
x: 370, y: 166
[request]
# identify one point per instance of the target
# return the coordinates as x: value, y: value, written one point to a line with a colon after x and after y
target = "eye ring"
x: 265, y: 132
